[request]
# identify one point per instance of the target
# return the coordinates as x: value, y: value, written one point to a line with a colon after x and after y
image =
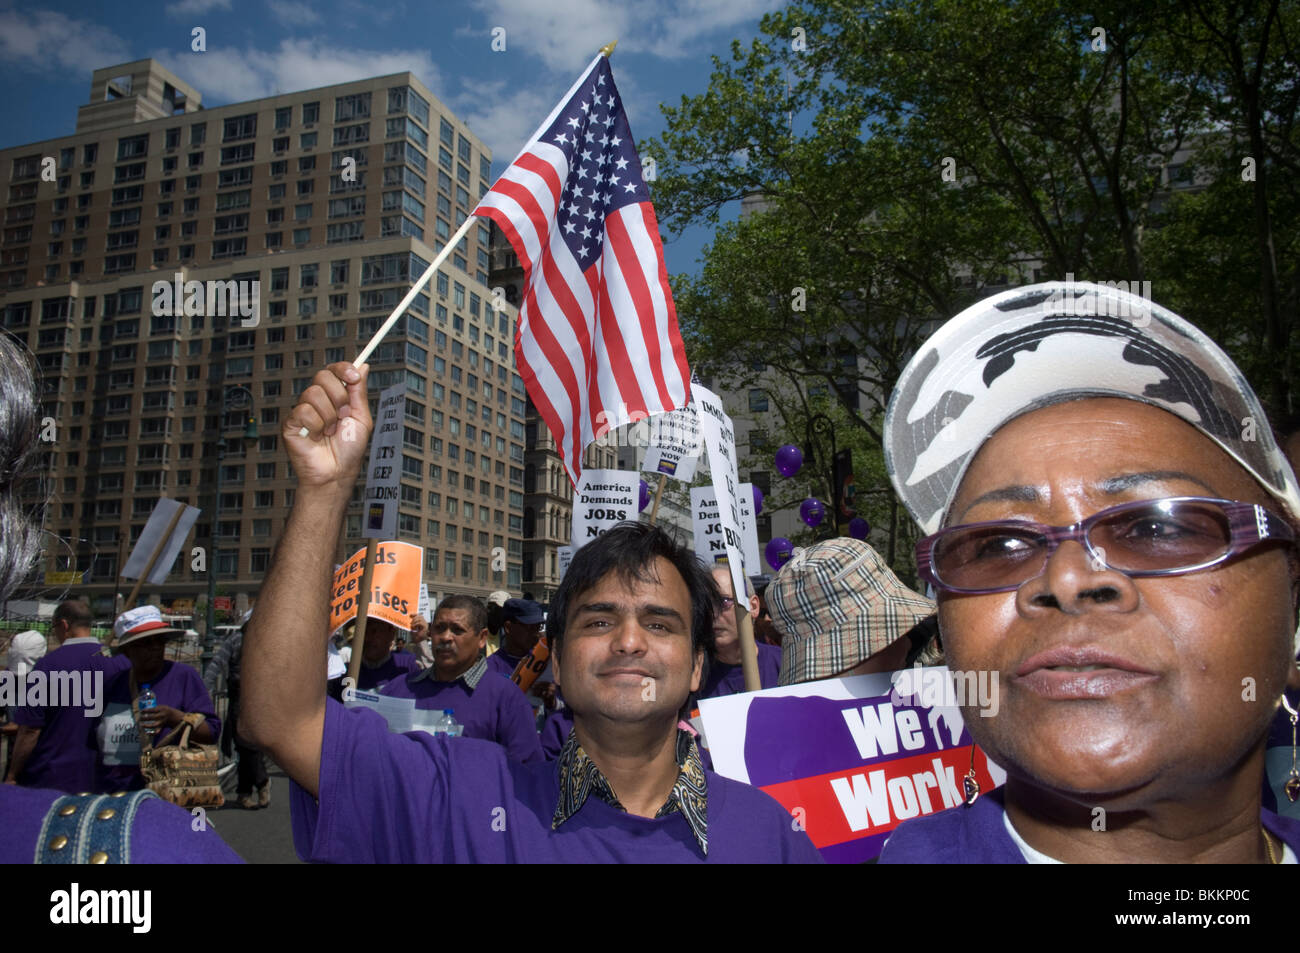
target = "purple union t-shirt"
x: 118, y: 765
x: 724, y: 679
x: 395, y: 666
x: 64, y: 756
x: 417, y: 798
x: 494, y: 710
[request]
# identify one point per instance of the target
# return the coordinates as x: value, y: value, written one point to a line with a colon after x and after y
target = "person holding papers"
x: 629, y: 628
x: 485, y: 703
x: 1113, y: 539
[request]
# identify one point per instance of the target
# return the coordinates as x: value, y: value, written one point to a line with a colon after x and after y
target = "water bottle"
x: 450, y: 725
x: 148, y: 701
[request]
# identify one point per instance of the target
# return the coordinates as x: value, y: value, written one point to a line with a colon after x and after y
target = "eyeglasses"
x: 1165, y: 537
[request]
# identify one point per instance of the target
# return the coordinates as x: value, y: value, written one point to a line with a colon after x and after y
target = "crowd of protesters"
x: 1069, y: 529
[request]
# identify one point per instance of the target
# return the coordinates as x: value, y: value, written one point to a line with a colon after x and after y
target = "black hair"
x: 75, y: 612
x: 478, y: 613
x: 20, y: 530
x: 629, y: 550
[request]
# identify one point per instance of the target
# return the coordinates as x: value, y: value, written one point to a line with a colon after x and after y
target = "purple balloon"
x: 788, y: 460
x: 812, y: 511
x: 859, y: 528
x: 778, y: 552
x: 645, y: 494
x: 758, y: 500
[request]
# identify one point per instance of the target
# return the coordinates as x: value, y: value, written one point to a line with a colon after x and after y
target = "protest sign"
x: 602, y: 500
x: 566, y: 556
x: 852, y: 758
x: 394, y: 585
x: 383, y: 475
x: 720, y: 443
x: 156, y: 539
x: 673, y: 447
x: 423, y: 609
x: 709, y: 544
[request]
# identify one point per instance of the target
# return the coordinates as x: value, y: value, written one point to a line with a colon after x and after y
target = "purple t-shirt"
x: 396, y: 665
x: 64, y: 756
x: 726, y: 679
x: 977, y: 835
x: 419, y: 798
x: 503, y: 664
x: 494, y: 709
x: 117, y: 766
x: 162, y: 833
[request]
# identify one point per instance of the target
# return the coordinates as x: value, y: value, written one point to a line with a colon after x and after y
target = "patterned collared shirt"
x: 471, y: 676
x: 579, y: 777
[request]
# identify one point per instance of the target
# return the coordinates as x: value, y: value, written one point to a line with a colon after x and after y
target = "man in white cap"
x: 25, y: 649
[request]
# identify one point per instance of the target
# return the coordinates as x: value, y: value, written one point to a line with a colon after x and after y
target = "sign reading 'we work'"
x: 850, y: 758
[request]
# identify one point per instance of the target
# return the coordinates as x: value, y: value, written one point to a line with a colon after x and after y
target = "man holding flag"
x: 597, y: 341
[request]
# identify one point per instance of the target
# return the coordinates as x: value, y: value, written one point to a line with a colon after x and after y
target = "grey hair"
x: 20, y: 531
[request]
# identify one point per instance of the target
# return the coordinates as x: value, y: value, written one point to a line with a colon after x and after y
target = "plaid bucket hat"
x: 1044, y: 344
x: 838, y: 603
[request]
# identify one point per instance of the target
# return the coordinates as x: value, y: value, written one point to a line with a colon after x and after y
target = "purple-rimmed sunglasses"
x: 1164, y: 537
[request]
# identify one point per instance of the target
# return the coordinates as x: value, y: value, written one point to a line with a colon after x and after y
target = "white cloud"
x: 45, y: 40
x: 225, y: 75
x: 292, y: 13
x: 192, y: 8
x: 565, y: 34
x: 504, y: 117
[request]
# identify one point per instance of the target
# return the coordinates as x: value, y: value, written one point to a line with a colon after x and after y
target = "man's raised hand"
x: 328, y: 433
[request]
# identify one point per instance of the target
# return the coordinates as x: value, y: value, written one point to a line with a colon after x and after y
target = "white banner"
x: 674, y: 445
x: 384, y: 474
x: 720, y: 442
x: 602, y: 500
x: 566, y: 556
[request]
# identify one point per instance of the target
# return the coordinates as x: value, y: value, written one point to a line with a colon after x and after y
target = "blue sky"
x: 257, y: 49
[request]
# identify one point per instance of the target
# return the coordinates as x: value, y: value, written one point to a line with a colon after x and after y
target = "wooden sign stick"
x: 363, y: 612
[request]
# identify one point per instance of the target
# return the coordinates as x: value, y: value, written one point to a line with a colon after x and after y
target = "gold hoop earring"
x: 971, y: 786
x: 1292, y: 785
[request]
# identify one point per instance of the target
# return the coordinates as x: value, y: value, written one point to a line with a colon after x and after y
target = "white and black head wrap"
x: 1044, y: 344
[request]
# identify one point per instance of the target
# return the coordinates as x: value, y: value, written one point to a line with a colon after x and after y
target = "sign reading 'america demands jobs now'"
x: 852, y: 758
x: 709, y: 543
x: 602, y: 500
x: 384, y: 474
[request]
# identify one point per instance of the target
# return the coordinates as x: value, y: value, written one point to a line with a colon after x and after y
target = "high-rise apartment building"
x: 304, y: 217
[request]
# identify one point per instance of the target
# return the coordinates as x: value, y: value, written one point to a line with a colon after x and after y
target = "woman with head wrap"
x: 1111, y: 532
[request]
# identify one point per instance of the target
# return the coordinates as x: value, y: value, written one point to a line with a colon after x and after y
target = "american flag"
x: 597, y: 342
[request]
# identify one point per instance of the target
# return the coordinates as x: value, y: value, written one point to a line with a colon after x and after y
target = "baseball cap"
x: 499, y: 598
x: 524, y: 611
x: 1044, y: 344
x: 838, y: 603
x: 25, y: 650
x: 141, y: 622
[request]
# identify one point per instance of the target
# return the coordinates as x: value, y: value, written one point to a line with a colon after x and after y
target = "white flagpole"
x: 438, y: 259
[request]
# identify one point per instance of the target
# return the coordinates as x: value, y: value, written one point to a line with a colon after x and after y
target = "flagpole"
x: 438, y: 259
x: 606, y: 51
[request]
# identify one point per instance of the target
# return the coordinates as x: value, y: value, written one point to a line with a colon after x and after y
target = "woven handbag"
x: 184, y: 773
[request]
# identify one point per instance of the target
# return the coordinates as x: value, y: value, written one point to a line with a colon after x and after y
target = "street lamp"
x: 249, y: 439
x: 819, y: 425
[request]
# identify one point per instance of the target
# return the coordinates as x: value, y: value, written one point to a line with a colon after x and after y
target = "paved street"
x: 262, y: 836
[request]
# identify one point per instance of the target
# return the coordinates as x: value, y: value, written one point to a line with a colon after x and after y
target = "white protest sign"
x: 720, y: 442
x: 566, y: 556
x: 423, y: 607
x: 602, y: 500
x: 709, y: 543
x: 384, y: 474
x: 674, y: 445
x: 152, y: 538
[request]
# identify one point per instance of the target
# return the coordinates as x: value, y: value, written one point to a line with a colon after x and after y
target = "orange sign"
x: 394, y: 585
